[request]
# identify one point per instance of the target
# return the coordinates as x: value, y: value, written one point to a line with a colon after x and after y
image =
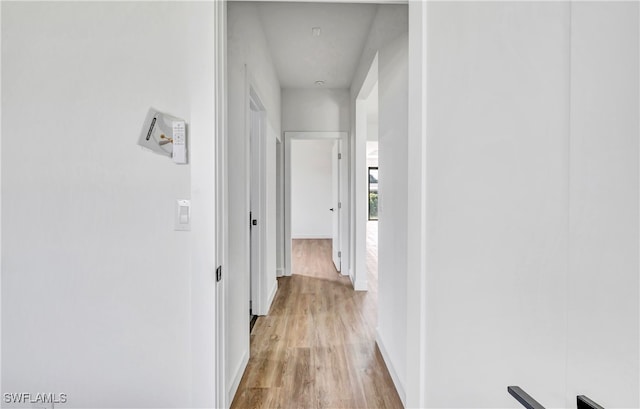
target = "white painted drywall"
x: 280, y: 207
x: 391, y: 21
x: 393, y: 88
x: 271, y: 283
x: 372, y: 131
x: 416, y: 301
x: 372, y: 115
x: 498, y: 110
x: 248, y: 52
x: 602, y: 284
x: 315, y: 110
x: 97, y: 286
x: 388, y: 40
x: 311, y: 189
x: 532, y: 203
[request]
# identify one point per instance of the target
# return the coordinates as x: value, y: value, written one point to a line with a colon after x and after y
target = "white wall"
x: 315, y: 110
x: 97, y: 298
x: 372, y: 131
x: 388, y: 38
x: 602, y: 297
x: 280, y: 207
x: 392, y: 205
x: 532, y: 203
x: 417, y: 210
x: 246, y: 46
x: 390, y: 22
x: 372, y: 115
x: 311, y: 189
x: 271, y: 196
x: 498, y: 121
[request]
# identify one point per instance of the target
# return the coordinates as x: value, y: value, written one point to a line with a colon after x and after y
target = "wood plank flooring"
x: 316, y: 348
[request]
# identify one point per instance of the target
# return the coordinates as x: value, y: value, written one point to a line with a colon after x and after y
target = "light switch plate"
x: 183, y: 215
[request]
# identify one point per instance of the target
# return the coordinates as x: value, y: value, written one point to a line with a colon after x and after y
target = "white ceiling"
x: 300, y: 58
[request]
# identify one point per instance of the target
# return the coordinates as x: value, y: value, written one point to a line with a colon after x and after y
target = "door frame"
x: 342, y: 137
x: 336, y: 205
x: 256, y: 166
x: 221, y: 233
x: 419, y: 210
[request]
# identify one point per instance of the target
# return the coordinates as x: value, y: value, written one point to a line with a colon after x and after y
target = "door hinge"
x: 218, y: 273
x: 339, y: 254
x: 339, y: 205
x: 339, y: 156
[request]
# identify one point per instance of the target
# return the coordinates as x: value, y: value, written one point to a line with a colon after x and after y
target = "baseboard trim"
x: 391, y: 368
x: 272, y: 295
x: 280, y: 272
x: 237, y: 378
x: 360, y: 285
x: 310, y: 236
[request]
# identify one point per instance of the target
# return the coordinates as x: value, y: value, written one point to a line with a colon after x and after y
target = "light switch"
x: 183, y: 215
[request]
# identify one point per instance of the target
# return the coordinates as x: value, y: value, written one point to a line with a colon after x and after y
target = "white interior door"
x: 335, y: 203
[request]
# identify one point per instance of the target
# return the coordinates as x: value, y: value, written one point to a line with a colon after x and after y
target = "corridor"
x: 316, y: 348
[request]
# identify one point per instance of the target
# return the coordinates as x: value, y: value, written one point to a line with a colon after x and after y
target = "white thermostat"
x: 165, y: 135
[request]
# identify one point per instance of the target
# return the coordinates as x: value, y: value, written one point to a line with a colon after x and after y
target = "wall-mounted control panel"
x: 165, y: 135
x: 179, y: 142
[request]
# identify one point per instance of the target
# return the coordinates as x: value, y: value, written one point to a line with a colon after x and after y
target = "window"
x: 373, y: 193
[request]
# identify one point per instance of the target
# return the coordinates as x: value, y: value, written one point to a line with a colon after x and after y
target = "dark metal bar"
x: 586, y: 403
x: 524, y: 398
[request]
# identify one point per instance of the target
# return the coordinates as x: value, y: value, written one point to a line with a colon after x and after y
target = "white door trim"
x: 288, y: 137
x: 417, y: 210
x: 336, y: 206
x: 220, y: 398
x: 257, y: 195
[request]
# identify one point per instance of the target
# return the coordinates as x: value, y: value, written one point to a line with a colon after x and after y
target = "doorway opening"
x: 314, y: 197
x: 373, y: 191
x: 373, y: 188
x: 367, y: 182
x: 315, y: 182
x: 257, y: 134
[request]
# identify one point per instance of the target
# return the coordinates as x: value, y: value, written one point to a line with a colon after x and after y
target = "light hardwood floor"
x: 316, y: 348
